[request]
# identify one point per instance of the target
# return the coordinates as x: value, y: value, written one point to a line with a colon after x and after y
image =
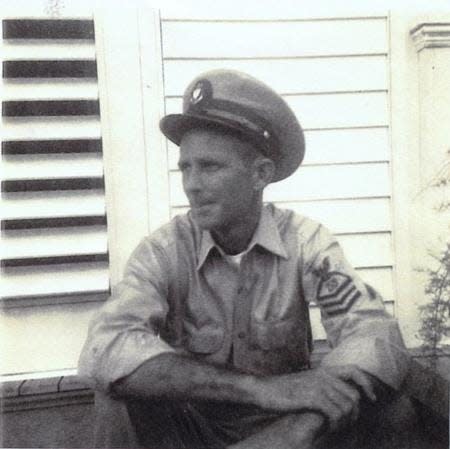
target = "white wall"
x: 348, y: 79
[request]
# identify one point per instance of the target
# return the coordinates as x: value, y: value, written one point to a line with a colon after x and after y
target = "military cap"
x: 241, y: 104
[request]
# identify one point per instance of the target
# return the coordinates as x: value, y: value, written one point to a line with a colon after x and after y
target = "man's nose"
x: 192, y: 181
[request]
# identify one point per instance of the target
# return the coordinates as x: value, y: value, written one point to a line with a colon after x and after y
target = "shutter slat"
x: 46, y: 166
x: 55, y: 279
x: 48, y: 51
x: 50, y: 108
x: 34, y: 185
x: 52, y: 222
x: 53, y: 260
x: 53, y: 204
x: 51, y: 146
x: 44, y: 128
x: 58, y: 298
x: 50, y: 69
x: 48, y: 29
x: 34, y: 243
x: 50, y: 89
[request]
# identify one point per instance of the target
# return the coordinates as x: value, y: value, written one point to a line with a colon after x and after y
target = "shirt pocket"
x: 270, y: 335
x: 205, y: 340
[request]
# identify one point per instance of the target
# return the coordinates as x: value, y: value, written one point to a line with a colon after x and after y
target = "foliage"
x: 435, y: 315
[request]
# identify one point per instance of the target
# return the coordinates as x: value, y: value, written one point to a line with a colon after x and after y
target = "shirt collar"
x: 266, y: 235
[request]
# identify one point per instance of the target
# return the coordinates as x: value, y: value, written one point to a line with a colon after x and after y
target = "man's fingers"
x: 354, y: 374
x: 345, y: 397
x: 338, y: 401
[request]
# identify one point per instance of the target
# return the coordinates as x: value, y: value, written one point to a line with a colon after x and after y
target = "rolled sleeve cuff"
x: 122, y: 359
x: 386, y: 361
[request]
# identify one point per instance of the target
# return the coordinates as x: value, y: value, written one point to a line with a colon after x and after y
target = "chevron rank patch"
x: 336, y: 292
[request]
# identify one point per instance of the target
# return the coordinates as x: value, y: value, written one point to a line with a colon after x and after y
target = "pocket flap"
x: 205, y: 340
x: 276, y: 334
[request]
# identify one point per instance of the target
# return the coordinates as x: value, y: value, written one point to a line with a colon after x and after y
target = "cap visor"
x: 174, y: 126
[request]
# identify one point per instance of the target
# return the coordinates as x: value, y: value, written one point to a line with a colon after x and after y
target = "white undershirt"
x: 234, y: 259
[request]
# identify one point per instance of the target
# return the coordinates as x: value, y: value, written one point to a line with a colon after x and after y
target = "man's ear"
x: 263, y: 171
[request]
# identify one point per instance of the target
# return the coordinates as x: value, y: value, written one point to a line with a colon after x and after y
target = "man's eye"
x: 211, y: 167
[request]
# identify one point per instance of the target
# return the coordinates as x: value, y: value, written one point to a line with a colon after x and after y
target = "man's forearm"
x: 175, y: 376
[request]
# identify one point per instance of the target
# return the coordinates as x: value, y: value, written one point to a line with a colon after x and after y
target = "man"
x: 206, y: 342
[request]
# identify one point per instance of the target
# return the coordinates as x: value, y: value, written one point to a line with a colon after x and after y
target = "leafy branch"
x: 435, y: 315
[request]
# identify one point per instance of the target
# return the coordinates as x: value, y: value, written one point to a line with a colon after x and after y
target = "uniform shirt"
x: 180, y: 294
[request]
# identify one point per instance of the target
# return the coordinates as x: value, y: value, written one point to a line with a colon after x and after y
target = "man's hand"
x: 334, y: 392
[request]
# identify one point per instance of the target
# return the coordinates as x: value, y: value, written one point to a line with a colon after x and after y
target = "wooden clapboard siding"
x: 335, y: 146
x: 54, y: 240
x: 381, y: 278
x: 338, y: 86
x: 308, y: 183
x: 203, y: 39
x: 238, y: 11
x: 328, y: 111
x: 373, y: 214
x: 331, y: 74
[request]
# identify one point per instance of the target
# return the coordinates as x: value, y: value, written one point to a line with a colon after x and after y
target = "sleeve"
x: 124, y: 333
x: 359, y: 329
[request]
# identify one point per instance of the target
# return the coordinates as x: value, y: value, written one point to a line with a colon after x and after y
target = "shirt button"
x: 242, y: 335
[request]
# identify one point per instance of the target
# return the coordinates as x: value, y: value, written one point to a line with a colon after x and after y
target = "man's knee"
x: 113, y: 426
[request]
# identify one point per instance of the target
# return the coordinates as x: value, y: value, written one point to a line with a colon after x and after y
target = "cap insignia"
x: 197, y: 94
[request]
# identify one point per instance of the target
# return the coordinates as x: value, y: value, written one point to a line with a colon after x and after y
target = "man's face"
x: 217, y: 180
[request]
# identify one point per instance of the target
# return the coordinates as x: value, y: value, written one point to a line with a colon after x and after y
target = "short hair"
x: 252, y: 151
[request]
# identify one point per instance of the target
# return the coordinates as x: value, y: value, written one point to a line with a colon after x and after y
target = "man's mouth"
x: 200, y: 204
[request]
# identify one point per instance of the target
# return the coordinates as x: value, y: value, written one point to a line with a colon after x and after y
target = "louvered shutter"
x: 53, y: 220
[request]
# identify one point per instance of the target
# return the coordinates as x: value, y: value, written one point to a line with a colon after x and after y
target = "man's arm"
x: 125, y: 331
x: 334, y: 394
x: 358, y: 327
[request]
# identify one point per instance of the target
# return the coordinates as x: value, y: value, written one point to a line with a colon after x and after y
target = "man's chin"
x: 203, y: 221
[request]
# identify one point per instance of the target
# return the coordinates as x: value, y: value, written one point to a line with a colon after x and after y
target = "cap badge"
x: 197, y: 94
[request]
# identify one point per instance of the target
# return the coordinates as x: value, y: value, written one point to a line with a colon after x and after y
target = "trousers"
x: 162, y: 424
